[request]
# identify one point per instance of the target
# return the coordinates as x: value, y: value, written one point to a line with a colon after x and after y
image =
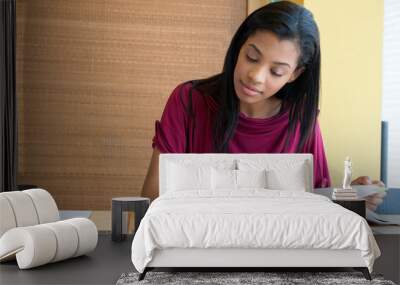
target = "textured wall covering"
x: 93, y: 76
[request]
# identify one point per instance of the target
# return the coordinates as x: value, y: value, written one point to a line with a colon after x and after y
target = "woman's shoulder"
x: 186, y: 94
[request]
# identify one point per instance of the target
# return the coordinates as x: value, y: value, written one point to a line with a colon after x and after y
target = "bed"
x: 246, y: 211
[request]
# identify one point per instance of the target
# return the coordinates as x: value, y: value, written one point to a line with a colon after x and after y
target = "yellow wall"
x: 351, y: 43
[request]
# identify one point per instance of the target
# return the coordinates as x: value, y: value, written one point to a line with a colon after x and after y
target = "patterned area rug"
x: 270, y: 278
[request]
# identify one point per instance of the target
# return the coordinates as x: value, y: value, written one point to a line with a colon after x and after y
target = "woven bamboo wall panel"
x: 92, y: 78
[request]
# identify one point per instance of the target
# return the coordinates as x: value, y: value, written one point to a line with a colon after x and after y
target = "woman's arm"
x: 150, y: 185
x: 373, y: 200
x: 170, y: 135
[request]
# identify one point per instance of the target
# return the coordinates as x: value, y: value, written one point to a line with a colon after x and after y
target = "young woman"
x: 265, y: 100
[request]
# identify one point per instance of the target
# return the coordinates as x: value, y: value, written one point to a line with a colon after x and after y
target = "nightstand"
x: 139, y: 205
x: 357, y: 206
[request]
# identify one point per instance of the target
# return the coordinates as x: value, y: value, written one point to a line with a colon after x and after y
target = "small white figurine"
x: 347, y: 173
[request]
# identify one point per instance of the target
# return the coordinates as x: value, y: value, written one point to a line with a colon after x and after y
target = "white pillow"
x: 252, y: 178
x: 229, y: 179
x: 223, y: 179
x: 182, y: 177
x: 282, y: 174
x: 293, y: 179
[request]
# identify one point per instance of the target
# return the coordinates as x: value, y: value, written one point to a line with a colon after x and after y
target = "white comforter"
x: 250, y: 219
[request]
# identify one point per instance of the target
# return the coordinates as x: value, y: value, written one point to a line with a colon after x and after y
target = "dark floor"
x: 102, y: 266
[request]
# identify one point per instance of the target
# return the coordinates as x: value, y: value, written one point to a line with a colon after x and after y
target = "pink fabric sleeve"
x: 170, y: 131
x: 321, y: 171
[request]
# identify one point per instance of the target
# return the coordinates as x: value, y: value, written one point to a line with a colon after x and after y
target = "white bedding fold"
x: 250, y: 219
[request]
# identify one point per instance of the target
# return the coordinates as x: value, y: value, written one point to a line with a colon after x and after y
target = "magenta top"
x: 178, y: 133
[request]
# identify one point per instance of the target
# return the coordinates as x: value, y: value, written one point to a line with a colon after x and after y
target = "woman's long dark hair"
x: 288, y: 21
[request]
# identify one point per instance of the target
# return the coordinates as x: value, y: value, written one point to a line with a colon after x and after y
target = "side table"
x: 139, y: 205
x: 357, y: 206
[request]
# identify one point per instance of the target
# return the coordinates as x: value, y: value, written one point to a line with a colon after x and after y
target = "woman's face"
x: 265, y: 64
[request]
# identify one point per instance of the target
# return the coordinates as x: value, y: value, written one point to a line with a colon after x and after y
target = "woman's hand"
x: 373, y: 200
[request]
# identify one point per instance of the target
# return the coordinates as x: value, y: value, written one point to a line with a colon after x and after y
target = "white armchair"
x: 31, y: 230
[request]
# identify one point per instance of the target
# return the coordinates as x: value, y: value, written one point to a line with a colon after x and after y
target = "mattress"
x: 250, y: 219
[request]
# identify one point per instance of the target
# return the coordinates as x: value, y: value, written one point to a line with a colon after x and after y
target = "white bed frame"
x: 249, y: 257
